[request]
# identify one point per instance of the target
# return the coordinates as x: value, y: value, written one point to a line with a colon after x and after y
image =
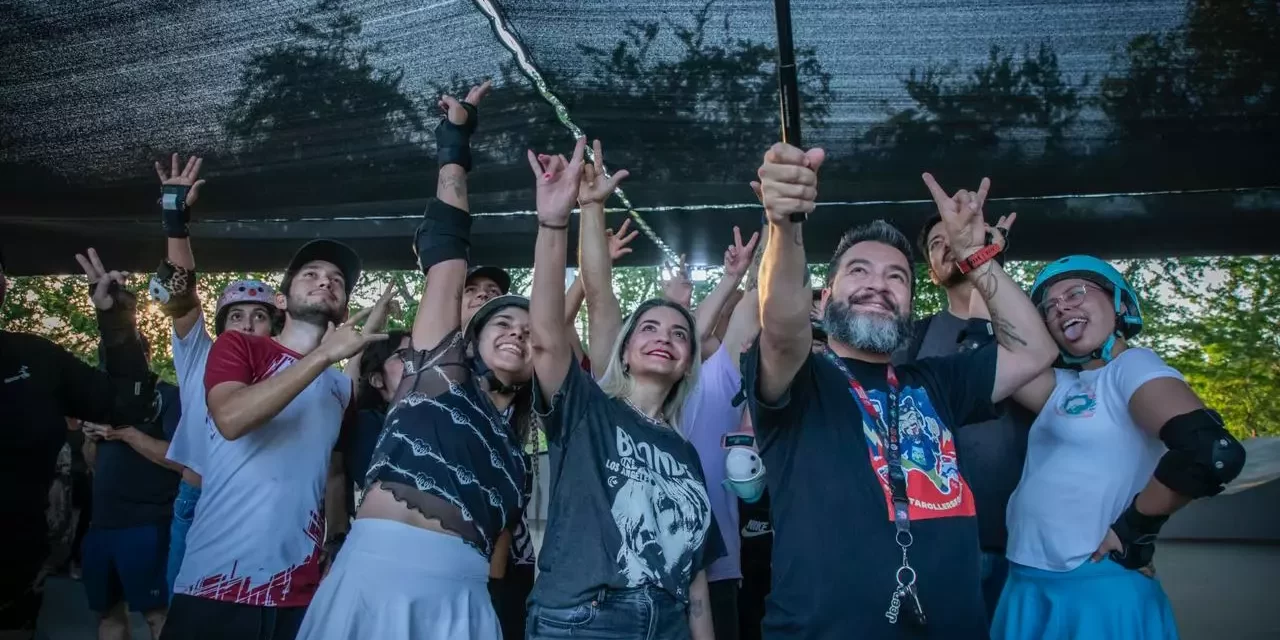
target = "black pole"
x: 788, y: 82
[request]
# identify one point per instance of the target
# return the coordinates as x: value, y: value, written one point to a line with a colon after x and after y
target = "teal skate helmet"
x: 1099, y: 272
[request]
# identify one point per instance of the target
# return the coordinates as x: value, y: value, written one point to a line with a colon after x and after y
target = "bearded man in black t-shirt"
x: 874, y: 527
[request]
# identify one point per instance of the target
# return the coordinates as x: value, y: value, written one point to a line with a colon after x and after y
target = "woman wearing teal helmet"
x: 1119, y: 444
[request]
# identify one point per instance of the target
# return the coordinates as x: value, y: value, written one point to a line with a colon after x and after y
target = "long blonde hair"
x: 617, y: 381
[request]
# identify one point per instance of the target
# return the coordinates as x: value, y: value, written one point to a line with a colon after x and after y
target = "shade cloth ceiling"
x: 1117, y: 127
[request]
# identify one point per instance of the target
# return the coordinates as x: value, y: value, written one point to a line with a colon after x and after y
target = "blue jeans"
x: 184, y: 511
x: 995, y: 570
x: 643, y: 613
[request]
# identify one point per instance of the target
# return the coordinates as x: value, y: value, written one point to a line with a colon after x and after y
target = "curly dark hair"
x: 376, y: 355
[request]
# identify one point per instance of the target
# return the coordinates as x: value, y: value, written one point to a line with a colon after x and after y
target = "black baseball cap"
x: 332, y: 251
x: 496, y: 274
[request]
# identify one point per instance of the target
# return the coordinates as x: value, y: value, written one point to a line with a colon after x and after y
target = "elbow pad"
x: 1203, y: 457
x: 453, y: 142
x: 445, y: 234
x: 976, y: 334
x: 743, y: 468
x: 137, y: 401
x: 174, y: 288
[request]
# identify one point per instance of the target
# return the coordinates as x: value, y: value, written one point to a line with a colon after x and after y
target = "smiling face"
x: 317, y: 294
x: 1079, y: 314
x: 868, y: 305
x: 660, y: 346
x: 503, y: 344
x: 475, y: 293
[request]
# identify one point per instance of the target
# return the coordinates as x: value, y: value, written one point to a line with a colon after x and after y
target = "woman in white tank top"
x: 1120, y: 443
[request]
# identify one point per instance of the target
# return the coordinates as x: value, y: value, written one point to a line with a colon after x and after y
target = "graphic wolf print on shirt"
x: 662, y: 512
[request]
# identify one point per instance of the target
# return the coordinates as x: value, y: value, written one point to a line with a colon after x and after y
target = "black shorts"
x: 192, y: 618
x: 511, y: 600
x: 724, y: 608
x: 126, y: 564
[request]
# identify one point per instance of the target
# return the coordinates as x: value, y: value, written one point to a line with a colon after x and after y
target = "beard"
x: 313, y: 313
x: 865, y: 331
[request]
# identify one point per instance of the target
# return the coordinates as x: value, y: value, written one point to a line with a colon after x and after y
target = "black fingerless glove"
x: 453, y: 142
x: 1137, y: 533
x: 173, y: 205
x: 445, y: 234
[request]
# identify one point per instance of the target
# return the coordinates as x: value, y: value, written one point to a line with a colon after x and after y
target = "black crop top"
x: 447, y: 452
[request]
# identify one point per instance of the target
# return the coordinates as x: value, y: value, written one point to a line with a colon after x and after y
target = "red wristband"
x: 979, y: 258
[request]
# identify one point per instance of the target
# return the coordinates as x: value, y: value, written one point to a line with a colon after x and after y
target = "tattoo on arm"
x: 798, y: 236
x: 456, y: 183
x: 697, y: 607
x: 1006, y: 333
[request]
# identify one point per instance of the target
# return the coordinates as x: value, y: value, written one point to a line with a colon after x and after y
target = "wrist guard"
x: 173, y: 205
x: 445, y: 234
x: 117, y: 323
x: 1137, y: 533
x: 453, y: 142
x: 173, y: 287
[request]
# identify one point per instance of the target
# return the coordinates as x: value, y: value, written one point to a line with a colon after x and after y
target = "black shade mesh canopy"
x: 1159, y: 118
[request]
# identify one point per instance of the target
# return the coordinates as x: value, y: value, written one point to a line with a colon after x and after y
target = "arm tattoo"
x: 1006, y: 334
x: 798, y: 236
x: 453, y: 182
x: 697, y: 607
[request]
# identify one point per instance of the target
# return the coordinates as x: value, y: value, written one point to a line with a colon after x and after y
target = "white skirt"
x: 392, y: 580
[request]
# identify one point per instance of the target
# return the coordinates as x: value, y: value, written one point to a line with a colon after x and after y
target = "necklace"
x: 661, y: 423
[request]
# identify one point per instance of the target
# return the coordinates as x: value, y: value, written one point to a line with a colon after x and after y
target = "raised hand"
x: 737, y: 258
x: 455, y: 112
x: 348, y: 339
x: 187, y: 177
x: 557, y: 184
x: 618, y: 241
x: 1000, y: 232
x: 961, y: 216
x: 678, y: 288
x: 383, y: 309
x: 594, y: 187
x: 788, y: 181
x: 100, y: 280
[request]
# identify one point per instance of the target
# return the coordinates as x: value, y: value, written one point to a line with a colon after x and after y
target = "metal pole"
x: 788, y: 82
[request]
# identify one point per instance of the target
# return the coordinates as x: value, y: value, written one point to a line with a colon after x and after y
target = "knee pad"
x: 743, y: 468
x: 1203, y: 457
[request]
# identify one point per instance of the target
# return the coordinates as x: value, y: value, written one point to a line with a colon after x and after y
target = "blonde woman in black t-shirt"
x: 629, y: 520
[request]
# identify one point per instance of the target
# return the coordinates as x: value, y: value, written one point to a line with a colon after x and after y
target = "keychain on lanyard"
x: 905, y: 592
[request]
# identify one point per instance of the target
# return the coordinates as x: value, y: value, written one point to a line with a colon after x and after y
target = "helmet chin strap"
x: 1104, y: 352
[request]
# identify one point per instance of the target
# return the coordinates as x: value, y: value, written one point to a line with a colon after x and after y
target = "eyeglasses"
x: 1071, y: 299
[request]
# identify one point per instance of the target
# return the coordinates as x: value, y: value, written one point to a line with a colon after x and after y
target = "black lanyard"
x: 889, y: 430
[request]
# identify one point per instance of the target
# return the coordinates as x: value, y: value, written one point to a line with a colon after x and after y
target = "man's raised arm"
x: 1025, y: 347
x: 788, y: 184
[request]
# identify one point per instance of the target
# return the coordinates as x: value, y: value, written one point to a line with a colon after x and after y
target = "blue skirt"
x: 1095, y: 601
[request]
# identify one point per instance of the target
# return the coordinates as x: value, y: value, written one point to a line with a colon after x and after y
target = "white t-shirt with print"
x: 259, y: 530
x: 190, y: 353
x: 1086, y: 460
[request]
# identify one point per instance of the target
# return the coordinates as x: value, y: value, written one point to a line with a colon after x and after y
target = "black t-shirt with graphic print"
x: 834, y: 555
x: 628, y: 506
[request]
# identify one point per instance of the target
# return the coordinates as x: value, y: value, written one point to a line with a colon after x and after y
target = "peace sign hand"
x: 618, y: 241
x: 347, y: 339
x: 961, y: 216
x: 187, y: 177
x: 557, y: 184
x: 596, y: 185
x: 100, y: 280
x: 737, y: 258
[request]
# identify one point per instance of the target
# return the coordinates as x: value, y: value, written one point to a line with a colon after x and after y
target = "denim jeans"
x: 184, y: 511
x: 995, y: 570
x: 642, y: 613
